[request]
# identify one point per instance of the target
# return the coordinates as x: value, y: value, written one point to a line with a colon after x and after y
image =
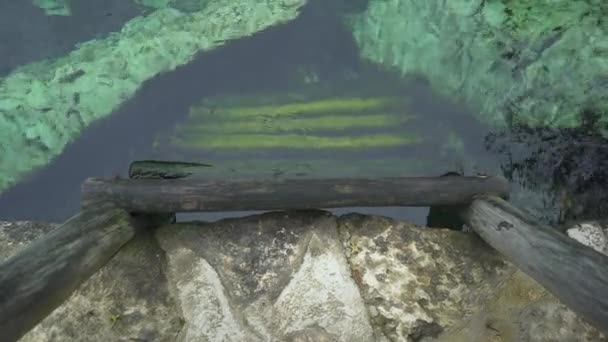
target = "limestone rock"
x: 277, y: 277
x: 304, y: 276
x: 441, y: 285
x: 593, y: 234
x: 522, y: 310
x: 419, y: 282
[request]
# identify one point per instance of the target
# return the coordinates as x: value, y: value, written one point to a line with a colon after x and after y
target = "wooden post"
x: 188, y: 195
x: 44, y: 274
x: 573, y: 272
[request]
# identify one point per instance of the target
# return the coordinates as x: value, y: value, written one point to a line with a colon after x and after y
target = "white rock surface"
x: 273, y: 277
x: 592, y: 234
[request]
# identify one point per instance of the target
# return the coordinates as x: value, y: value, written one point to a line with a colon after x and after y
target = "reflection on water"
x: 292, y: 101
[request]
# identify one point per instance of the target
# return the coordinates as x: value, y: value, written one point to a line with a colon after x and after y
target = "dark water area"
x: 270, y: 61
x: 28, y: 35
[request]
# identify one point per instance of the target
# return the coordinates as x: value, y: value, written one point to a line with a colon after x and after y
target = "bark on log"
x: 43, y: 275
x: 189, y: 195
x: 573, y: 272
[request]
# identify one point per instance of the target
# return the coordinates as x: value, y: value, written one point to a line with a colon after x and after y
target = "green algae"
x: 531, y: 19
x: 309, y: 107
x: 291, y: 124
x: 538, y: 63
x: 289, y: 141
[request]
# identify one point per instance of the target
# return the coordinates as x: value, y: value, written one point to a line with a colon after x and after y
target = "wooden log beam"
x: 43, y: 275
x: 190, y: 195
x: 573, y: 272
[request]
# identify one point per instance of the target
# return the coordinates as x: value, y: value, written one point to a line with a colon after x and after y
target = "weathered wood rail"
x: 44, y: 274
x: 40, y: 277
x: 189, y: 195
x: 573, y: 272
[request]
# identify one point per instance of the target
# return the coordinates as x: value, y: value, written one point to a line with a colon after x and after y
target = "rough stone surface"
x: 417, y: 284
x: 127, y: 300
x: 16, y: 235
x: 304, y: 276
x: 278, y: 276
x: 522, y: 310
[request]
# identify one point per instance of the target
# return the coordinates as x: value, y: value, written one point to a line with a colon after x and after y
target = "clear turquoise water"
x: 274, y: 61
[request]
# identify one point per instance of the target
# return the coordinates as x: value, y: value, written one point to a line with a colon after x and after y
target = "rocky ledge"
x: 304, y: 276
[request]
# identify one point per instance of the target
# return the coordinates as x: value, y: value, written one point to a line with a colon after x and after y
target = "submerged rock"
x: 45, y: 105
x: 537, y: 62
x: 304, y: 276
x: 534, y: 71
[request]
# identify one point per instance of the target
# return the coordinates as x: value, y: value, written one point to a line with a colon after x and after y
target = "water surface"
x: 313, y: 57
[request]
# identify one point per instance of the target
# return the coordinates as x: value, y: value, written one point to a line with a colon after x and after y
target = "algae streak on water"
x: 290, y: 124
x: 290, y: 141
x: 275, y: 136
x: 350, y: 105
x: 331, y: 123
